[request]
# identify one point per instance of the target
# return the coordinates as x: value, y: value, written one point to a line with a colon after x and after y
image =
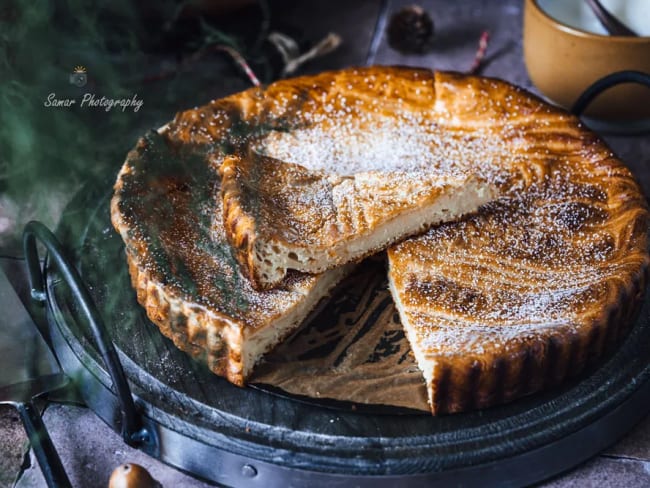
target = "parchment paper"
x: 352, y: 349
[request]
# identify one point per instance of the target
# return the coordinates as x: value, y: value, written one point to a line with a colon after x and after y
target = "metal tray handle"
x: 133, y: 431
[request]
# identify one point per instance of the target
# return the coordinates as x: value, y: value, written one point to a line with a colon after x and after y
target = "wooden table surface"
x: 91, y: 456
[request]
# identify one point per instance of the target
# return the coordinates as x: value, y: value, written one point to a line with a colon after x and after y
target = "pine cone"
x: 410, y: 30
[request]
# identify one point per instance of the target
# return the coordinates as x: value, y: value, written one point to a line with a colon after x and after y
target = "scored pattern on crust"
x: 535, y: 287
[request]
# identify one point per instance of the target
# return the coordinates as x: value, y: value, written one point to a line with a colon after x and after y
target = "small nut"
x: 131, y: 475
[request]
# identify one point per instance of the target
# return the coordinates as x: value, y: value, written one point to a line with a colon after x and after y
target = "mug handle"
x: 605, y: 83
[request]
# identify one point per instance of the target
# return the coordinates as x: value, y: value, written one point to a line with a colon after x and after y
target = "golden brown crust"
x: 291, y: 103
x: 536, y: 287
x: 469, y: 381
x: 191, y: 326
x: 318, y: 215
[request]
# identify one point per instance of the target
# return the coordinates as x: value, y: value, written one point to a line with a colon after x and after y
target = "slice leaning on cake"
x: 354, y: 161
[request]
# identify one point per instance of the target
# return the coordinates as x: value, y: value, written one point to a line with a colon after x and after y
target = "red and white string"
x: 239, y: 59
x: 480, y: 53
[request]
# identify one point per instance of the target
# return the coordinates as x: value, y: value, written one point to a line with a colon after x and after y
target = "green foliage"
x: 41, y: 45
x: 46, y: 153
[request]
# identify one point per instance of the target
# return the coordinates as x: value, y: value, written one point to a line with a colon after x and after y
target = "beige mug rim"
x: 558, y: 24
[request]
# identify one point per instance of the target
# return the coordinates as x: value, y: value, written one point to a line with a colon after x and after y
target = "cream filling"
x: 261, y: 340
x: 426, y: 365
x: 448, y: 207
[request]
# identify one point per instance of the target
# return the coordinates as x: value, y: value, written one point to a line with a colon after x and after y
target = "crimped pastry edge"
x: 176, y: 318
x: 206, y: 335
x: 191, y: 327
x: 241, y: 230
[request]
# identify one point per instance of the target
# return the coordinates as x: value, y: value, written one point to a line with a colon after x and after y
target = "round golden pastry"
x: 511, y: 299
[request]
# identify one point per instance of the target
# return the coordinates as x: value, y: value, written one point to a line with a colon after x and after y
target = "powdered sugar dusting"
x: 475, y: 339
x: 546, y: 261
x: 408, y: 143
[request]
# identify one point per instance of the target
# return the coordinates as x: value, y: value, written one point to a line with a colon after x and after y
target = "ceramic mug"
x: 563, y: 61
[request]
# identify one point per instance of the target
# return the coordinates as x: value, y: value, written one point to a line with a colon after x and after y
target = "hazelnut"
x: 131, y: 475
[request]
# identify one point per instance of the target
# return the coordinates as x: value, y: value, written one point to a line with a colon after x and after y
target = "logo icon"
x: 78, y: 77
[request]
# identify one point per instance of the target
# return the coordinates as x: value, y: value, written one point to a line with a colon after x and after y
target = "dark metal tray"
x: 202, y: 424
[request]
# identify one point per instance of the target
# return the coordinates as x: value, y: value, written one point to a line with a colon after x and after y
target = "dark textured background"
x: 46, y: 153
